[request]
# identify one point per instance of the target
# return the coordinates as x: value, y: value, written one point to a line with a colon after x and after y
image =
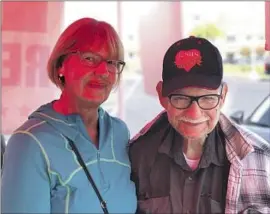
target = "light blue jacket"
x: 42, y: 175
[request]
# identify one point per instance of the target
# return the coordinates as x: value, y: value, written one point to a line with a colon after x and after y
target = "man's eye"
x: 179, y: 98
x: 182, y: 98
x: 209, y: 98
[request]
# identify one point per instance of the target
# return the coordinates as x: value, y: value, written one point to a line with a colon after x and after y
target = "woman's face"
x: 89, y: 75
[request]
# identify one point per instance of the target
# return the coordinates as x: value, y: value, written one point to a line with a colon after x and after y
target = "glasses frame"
x: 120, y: 62
x: 196, y: 98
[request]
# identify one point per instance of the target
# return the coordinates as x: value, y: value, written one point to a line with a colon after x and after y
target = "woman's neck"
x: 67, y: 105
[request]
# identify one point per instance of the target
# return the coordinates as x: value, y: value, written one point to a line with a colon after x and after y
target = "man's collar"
x: 167, y: 142
x: 214, y: 151
x: 238, y: 143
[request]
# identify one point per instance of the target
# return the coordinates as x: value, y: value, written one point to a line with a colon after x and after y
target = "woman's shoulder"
x: 24, y: 143
x: 34, y: 131
x: 34, y: 126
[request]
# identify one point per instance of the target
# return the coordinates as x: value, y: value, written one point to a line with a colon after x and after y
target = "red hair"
x: 89, y: 34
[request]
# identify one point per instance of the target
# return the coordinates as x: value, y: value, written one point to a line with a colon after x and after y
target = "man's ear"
x: 224, y: 94
x: 163, y: 100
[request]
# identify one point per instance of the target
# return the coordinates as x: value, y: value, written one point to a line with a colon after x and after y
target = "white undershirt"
x: 193, y: 164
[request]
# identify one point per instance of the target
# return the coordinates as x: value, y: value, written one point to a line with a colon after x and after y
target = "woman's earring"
x: 61, y: 78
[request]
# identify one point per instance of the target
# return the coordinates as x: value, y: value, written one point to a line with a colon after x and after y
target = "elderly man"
x: 191, y: 158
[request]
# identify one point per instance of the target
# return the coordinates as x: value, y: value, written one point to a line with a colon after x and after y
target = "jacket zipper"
x: 102, y: 180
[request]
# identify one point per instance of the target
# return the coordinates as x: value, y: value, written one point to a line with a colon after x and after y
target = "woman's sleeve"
x: 25, y: 185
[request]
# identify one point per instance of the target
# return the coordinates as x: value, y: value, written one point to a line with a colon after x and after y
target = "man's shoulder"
x: 158, y: 124
x: 151, y: 135
x: 259, y: 144
x: 254, y: 150
x: 241, y: 140
x: 144, y: 147
x: 260, y: 157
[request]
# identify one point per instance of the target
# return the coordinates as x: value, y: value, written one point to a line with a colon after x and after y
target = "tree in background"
x: 245, y: 52
x: 209, y: 31
x: 260, y: 52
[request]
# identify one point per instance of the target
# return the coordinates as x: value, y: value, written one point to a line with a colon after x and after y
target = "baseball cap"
x: 191, y: 62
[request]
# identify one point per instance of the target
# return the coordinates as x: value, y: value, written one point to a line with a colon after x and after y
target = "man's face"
x: 87, y: 80
x: 194, y: 122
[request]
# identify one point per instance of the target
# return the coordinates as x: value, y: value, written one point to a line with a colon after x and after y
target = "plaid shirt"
x: 248, y: 188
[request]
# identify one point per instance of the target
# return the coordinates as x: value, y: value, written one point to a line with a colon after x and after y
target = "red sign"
x: 158, y: 30
x: 29, y: 31
x: 267, y: 25
x: 25, y: 16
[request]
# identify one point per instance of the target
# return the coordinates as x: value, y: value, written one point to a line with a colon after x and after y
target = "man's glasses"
x: 93, y: 60
x: 205, y: 102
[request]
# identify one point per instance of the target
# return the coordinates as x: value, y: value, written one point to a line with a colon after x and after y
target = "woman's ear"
x: 61, y: 78
x: 163, y: 100
x: 61, y: 71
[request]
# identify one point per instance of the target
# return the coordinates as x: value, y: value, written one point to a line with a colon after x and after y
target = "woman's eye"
x: 89, y: 58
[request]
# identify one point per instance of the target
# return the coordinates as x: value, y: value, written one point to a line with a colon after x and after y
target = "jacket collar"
x: 214, y: 149
x: 238, y: 143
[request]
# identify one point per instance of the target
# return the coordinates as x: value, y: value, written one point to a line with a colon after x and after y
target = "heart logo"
x: 188, y: 59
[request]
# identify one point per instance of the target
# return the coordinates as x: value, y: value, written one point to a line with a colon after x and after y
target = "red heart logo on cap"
x: 187, y: 59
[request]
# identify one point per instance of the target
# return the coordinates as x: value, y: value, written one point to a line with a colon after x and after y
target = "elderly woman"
x: 70, y: 156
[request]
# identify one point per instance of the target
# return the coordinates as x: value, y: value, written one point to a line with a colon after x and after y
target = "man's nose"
x: 193, y: 111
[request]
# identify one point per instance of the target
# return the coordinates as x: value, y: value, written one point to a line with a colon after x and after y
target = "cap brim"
x: 208, y: 82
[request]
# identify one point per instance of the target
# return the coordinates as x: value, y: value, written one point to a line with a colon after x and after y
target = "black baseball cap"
x: 191, y: 62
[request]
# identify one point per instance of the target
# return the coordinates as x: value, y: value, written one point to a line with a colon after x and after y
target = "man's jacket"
x: 248, y: 188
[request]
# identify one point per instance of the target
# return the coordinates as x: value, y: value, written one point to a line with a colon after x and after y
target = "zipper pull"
x: 98, y: 155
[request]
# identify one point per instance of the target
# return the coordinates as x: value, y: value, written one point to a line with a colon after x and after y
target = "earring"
x: 61, y: 78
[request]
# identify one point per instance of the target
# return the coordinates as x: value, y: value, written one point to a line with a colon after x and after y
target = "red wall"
x: 158, y: 30
x: 267, y: 25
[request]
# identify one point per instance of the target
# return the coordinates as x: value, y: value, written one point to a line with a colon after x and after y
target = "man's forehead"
x: 195, y: 89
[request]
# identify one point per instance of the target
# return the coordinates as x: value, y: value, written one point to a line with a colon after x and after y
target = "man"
x: 191, y: 158
x: 267, y: 64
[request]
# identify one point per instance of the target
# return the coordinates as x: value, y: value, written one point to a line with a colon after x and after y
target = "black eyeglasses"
x: 205, y: 102
x: 93, y: 60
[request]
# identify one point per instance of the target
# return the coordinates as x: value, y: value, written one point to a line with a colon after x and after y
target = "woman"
x: 3, y: 147
x: 42, y: 172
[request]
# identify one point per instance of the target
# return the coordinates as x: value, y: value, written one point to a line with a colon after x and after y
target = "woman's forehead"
x: 95, y: 39
x: 99, y: 49
x: 103, y: 49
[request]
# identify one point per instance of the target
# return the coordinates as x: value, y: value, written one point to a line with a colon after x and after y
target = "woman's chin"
x: 93, y: 100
